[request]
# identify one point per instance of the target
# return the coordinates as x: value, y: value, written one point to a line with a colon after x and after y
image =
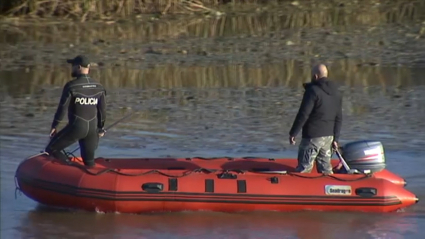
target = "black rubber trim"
x: 241, y: 186
x: 172, y: 184
x: 209, y: 185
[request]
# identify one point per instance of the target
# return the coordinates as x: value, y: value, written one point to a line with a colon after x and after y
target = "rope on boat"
x: 205, y: 170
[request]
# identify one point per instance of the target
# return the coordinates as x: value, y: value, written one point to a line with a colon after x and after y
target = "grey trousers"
x: 319, y: 149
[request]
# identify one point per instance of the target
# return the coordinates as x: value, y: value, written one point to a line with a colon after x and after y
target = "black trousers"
x: 85, y: 132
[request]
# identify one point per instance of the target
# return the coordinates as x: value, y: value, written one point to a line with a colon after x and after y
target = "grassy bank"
x: 100, y: 9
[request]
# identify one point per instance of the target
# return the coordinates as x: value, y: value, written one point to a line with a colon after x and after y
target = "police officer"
x: 85, y: 100
x: 320, y: 118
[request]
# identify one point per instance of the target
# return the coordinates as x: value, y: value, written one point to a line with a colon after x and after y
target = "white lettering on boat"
x: 338, y: 190
x: 86, y: 101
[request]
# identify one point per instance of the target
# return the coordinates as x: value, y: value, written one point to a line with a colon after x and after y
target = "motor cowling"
x: 366, y: 156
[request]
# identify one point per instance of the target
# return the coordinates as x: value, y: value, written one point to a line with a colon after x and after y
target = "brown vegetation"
x: 217, y: 27
x: 101, y: 9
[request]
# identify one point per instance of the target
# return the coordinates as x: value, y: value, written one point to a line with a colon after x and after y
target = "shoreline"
x: 206, y: 42
x: 376, y: 36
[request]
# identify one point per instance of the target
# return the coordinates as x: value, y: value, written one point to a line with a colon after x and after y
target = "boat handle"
x: 366, y: 192
x: 153, y: 187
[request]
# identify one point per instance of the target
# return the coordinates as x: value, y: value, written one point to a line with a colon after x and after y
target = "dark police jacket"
x: 85, y: 99
x: 320, y: 113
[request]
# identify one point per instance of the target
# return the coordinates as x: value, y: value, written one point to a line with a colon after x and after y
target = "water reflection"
x: 234, y: 108
x: 288, y: 73
x: 49, y: 223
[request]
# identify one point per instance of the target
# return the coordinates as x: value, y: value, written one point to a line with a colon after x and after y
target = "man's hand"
x: 292, y: 140
x: 335, y: 145
x: 52, y: 132
x: 101, y: 132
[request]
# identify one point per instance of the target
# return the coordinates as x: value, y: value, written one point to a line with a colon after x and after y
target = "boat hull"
x: 158, y: 185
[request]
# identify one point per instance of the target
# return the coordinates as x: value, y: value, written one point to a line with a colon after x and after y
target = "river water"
x: 209, y: 106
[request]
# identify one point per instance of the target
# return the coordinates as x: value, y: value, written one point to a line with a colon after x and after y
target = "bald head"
x: 319, y: 71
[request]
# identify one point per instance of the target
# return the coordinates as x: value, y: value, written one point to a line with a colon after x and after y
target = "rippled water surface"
x: 224, y: 102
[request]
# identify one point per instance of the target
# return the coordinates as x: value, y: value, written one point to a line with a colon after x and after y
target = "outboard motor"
x: 366, y: 156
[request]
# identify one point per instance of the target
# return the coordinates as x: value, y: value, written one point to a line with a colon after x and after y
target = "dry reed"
x: 101, y: 9
x: 213, y: 27
x: 84, y: 9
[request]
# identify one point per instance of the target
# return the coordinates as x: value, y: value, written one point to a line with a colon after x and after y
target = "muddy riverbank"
x: 379, y: 36
x: 388, y: 45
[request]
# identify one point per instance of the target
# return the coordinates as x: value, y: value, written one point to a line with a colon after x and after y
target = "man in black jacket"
x: 84, y: 99
x: 320, y: 117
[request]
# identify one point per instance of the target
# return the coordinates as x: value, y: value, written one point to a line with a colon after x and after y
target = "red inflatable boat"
x: 137, y: 185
